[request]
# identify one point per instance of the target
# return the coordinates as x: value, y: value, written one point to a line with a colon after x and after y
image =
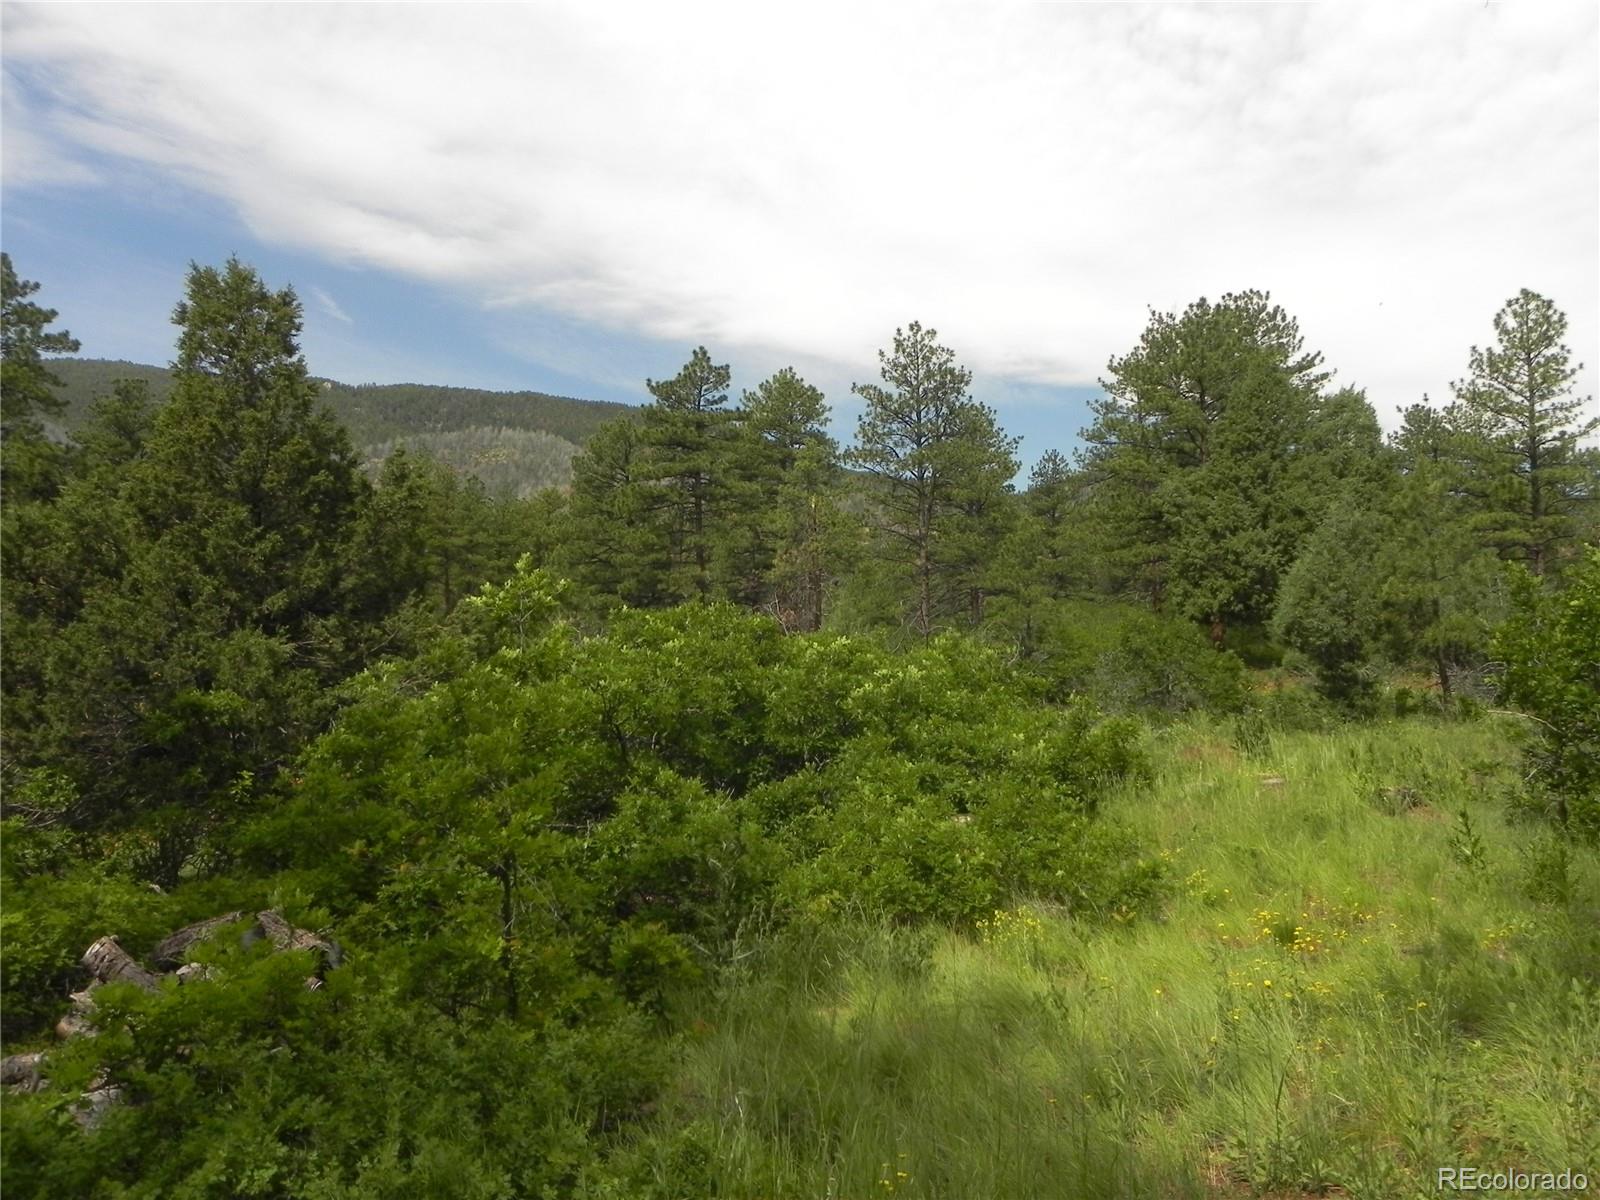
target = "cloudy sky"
x: 571, y: 198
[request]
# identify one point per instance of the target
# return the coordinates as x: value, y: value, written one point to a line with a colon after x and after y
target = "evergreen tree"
x: 186, y: 598
x: 941, y: 466
x: 29, y: 463
x: 686, y: 431
x: 1524, y: 424
x: 617, y: 541
x: 1329, y: 607
x: 1439, y: 587
x: 789, y: 532
x: 1213, y: 455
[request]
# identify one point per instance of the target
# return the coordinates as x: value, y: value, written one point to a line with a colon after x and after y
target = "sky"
x: 571, y: 198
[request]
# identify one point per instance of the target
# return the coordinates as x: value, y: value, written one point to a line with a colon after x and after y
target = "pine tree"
x: 1213, y: 456
x: 1518, y: 406
x: 616, y: 540
x: 686, y: 431
x: 30, y: 465
x: 941, y: 465
x: 1439, y: 587
x: 788, y: 533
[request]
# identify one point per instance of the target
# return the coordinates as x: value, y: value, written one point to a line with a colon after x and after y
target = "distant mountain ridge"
x: 515, y: 442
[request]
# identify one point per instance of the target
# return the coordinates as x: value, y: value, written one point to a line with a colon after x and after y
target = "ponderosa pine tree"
x: 1212, y: 455
x: 616, y: 542
x: 942, y: 466
x: 1038, y: 560
x: 787, y: 532
x: 686, y: 431
x: 1517, y: 407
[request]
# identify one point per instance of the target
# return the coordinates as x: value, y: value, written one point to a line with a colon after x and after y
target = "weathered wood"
x: 171, y: 949
x: 286, y: 937
x: 190, y: 972
x: 108, y: 962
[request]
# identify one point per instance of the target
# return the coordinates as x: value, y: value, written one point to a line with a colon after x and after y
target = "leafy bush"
x: 1130, y: 660
x: 249, y: 1084
x: 530, y: 842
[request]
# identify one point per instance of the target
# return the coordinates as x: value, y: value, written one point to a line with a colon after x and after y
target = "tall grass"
x: 1352, y: 985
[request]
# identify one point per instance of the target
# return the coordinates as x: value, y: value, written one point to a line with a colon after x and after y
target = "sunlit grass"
x: 1338, y: 996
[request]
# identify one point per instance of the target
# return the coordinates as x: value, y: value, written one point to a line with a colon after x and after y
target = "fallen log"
x: 108, y: 962
x: 285, y: 936
x: 170, y: 950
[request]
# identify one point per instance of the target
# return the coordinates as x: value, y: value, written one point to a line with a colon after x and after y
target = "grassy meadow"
x: 1365, y: 972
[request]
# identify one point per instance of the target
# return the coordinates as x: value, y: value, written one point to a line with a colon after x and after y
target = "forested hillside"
x: 515, y: 443
x: 1218, y: 814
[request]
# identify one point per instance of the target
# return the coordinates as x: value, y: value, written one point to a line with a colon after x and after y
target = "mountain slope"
x: 515, y: 442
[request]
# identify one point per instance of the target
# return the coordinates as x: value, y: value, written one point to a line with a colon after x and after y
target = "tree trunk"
x: 110, y: 963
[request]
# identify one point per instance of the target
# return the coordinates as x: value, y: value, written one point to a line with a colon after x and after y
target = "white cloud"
x: 29, y: 160
x: 329, y: 305
x: 1027, y: 179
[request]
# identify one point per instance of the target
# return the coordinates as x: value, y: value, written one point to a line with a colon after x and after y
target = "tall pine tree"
x: 941, y: 468
x: 1213, y: 456
x: 1518, y: 408
x: 686, y: 431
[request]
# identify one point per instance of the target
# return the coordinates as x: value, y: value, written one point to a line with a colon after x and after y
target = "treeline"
x: 1223, y: 484
x: 507, y: 462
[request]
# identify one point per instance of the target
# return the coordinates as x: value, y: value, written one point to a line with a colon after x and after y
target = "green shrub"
x: 1129, y: 660
x: 1551, y: 650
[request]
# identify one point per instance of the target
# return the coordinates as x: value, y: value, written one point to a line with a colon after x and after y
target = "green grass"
x: 1348, y: 989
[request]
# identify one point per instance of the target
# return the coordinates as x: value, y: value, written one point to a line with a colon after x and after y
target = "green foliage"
x: 806, y: 772
x: 248, y: 1084
x: 687, y: 430
x: 1329, y: 608
x: 1466, y: 844
x: 1208, y: 399
x: 1439, y: 591
x: 1551, y: 650
x: 31, y: 463
x: 1214, y: 454
x: 51, y: 916
x: 1522, y: 428
x: 193, y: 590
x: 941, y: 468
x: 699, y: 500
x: 1134, y: 661
x: 789, y: 537
x: 578, y: 843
